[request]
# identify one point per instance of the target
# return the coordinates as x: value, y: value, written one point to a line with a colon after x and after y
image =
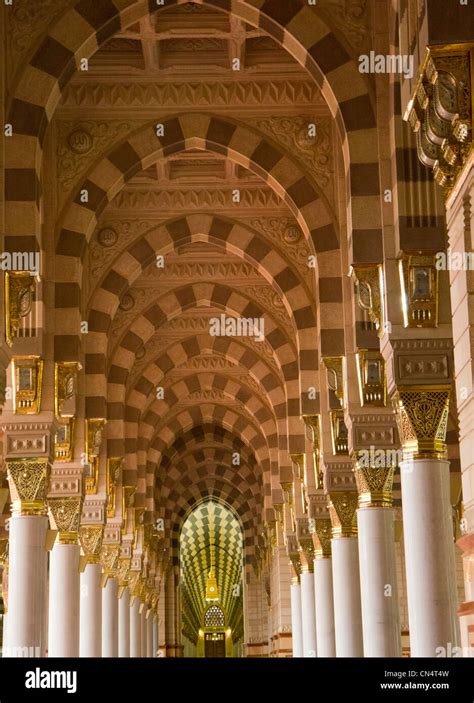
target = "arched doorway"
x: 211, y: 587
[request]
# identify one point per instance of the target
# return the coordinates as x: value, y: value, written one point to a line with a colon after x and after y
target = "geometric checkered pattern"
x: 211, y: 518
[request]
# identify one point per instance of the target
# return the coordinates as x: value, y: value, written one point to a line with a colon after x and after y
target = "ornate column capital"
x: 305, y: 539
x: 294, y: 552
x: 374, y: 482
x: 123, y: 573
x: 109, y: 558
x: 28, y: 481
x: 321, y: 525
x: 422, y: 419
x: 342, y: 508
x: 90, y: 538
x: 65, y: 514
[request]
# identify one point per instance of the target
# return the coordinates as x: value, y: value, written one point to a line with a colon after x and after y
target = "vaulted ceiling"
x: 204, y: 178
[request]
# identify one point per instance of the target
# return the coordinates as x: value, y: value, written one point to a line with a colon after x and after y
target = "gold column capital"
x: 374, y: 483
x: 109, y: 558
x: 342, y: 508
x: 305, y: 539
x: 90, y: 538
x: 65, y: 513
x: 322, y: 535
x: 422, y: 418
x: 28, y: 481
x: 134, y: 583
x: 123, y: 572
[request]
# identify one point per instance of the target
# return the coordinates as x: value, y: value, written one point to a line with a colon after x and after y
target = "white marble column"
x: 296, y: 622
x: 323, y: 595
x: 346, y: 589
x: 378, y: 582
x: 110, y: 618
x: 26, y: 585
x: 64, y: 600
x: 90, y: 638
x: 308, y: 618
x: 135, y: 628
x: 429, y: 557
x: 149, y: 634
x: 155, y: 635
x: 345, y: 573
x: 143, y: 632
x: 378, y: 571
x: 124, y: 623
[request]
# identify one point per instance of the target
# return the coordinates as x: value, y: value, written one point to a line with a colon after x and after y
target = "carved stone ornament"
x: 440, y: 111
x: 422, y: 418
x: 335, y: 375
x: 109, y: 558
x: 65, y: 388
x: 93, y: 435
x: 27, y: 384
x: 28, y: 481
x: 65, y: 515
x: 369, y: 287
x: 90, y: 538
x: 114, y: 466
x: 322, y: 536
x: 342, y: 512
x: 19, y: 287
x: 374, y: 483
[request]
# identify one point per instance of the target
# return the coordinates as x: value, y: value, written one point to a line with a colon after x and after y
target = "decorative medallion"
x: 292, y: 234
x: 107, y: 237
x: 80, y: 141
x: 127, y: 302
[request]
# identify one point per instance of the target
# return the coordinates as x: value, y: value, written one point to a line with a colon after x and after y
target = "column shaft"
x: 378, y: 582
x: 308, y: 618
x: 429, y: 555
x: 347, y: 607
x: 149, y: 635
x: 64, y: 580
x: 296, y: 622
x: 323, y: 594
x: 90, y: 639
x: 155, y: 636
x: 135, y: 629
x: 124, y: 623
x: 143, y: 631
x: 110, y: 618
x: 26, y: 585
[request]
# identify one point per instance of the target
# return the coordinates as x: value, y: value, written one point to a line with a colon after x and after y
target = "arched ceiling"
x: 217, y: 215
x: 211, y: 521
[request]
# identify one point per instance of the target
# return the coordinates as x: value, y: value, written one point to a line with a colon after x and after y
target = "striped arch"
x: 183, y: 419
x: 149, y: 323
x: 201, y: 131
x: 296, y: 26
x: 229, y: 236
x: 144, y: 411
x: 142, y: 414
x: 191, y: 469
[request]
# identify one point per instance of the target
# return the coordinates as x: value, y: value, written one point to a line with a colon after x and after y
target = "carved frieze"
x: 174, y: 95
